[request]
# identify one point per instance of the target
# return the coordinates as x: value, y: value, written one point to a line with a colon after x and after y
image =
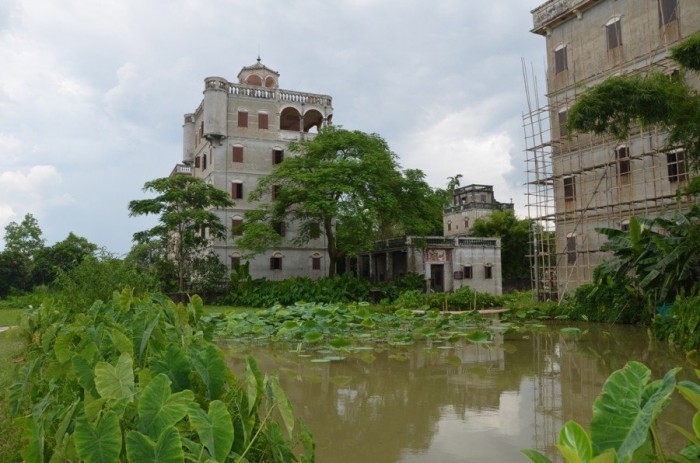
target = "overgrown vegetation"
x: 137, y: 380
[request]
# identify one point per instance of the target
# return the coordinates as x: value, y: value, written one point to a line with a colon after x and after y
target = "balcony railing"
x: 280, y: 95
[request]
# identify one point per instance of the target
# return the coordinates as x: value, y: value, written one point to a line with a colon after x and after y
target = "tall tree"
x: 24, y: 238
x: 515, y: 245
x: 345, y: 185
x: 61, y: 257
x: 185, y: 205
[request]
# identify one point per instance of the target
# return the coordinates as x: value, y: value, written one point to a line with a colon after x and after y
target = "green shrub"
x: 609, y: 303
x: 681, y: 325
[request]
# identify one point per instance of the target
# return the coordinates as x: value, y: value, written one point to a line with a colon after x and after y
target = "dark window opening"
x: 236, y: 227
x: 236, y: 191
x: 677, y: 169
x: 571, y: 249
x: 613, y: 32
x: 277, y: 156
x: 488, y: 272
x: 569, y: 188
x: 279, y: 228
x: 560, y: 61
x: 262, y: 121
x: 235, y: 261
x: 315, y: 263
x: 242, y: 118
x: 563, y: 131
x: 623, y: 160
x: 275, y: 263
x: 449, y: 226
x: 237, y: 154
x: 204, y: 162
x: 197, y: 162
x: 668, y: 11
x: 468, y: 272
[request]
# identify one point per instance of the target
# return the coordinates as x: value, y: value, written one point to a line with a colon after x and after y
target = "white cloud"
x: 32, y: 191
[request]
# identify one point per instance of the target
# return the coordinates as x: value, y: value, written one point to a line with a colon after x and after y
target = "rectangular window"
x: 279, y: 228
x: 197, y: 162
x: 466, y: 223
x: 275, y: 191
x: 623, y: 160
x: 204, y: 162
x: 668, y: 11
x: 613, y: 32
x: 236, y: 229
x: 677, y: 169
x: 569, y: 188
x: 488, y: 272
x: 571, y: 250
x: 275, y: 263
x: 468, y: 272
x: 235, y: 261
x: 237, y: 154
x: 236, y: 191
x: 449, y: 226
x: 315, y: 263
x: 242, y: 118
x: 277, y: 156
x: 563, y: 131
x: 560, y: 62
x: 262, y: 121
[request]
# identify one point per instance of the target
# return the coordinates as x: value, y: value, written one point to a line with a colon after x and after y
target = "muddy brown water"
x: 436, y: 402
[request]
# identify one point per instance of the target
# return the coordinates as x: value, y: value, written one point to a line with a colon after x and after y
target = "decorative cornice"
x: 547, y: 16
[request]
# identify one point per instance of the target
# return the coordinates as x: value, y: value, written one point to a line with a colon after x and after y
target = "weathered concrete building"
x: 239, y: 132
x: 446, y: 262
x: 469, y: 203
x: 579, y: 182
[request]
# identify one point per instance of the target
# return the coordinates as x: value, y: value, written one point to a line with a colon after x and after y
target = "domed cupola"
x: 259, y: 75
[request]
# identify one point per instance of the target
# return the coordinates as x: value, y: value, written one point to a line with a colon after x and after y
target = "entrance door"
x: 437, y: 272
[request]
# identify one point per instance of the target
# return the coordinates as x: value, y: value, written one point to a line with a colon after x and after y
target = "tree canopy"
x: 186, y: 207
x: 515, y: 245
x: 344, y: 185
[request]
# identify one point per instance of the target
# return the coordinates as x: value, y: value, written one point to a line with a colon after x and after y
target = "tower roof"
x: 257, y: 69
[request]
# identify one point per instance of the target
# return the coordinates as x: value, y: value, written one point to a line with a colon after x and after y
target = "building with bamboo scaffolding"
x: 580, y: 182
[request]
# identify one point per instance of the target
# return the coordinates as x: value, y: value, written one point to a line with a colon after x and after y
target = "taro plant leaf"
x: 340, y: 343
x: 121, y: 342
x: 215, y: 429
x: 313, y: 336
x: 535, y: 456
x: 209, y: 363
x: 167, y: 449
x: 253, y: 384
x: 574, y: 443
x: 283, y: 404
x: 691, y: 392
x: 33, y: 436
x: 622, y: 418
x: 115, y: 382
x: 478, y: 337
x: 159, y: 409
x: 85, y: 373
x: 101, y: 443
x: 175, y: 365
x: 146, y: 335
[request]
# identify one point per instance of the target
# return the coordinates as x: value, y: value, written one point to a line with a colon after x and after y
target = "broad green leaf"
x: 85, y: 373
x: 609, y: 456
x: 146, y: 335
x: 340, y: 343
x: 167, y: 449
x: 125, y: 298
x: 283, y: 404
x: 158, y: 409
x: 101, y: 443
x: 621, y: 418
x: 63, y: 347
x: 478, y: 337
x: 569, y: 454
x: 253, y: 383
x: 210, y: 365
x: 176, y: 365
x: 215, y: 429
x: 691, y: 392
x: 574, y: 437
x: 313, y: 336
x: 121, y: 342
x: 115, y: 382
x: 33, y: 439
x: 535, y: 456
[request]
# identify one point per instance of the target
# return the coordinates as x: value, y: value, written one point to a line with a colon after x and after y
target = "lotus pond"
x: 433, y: 387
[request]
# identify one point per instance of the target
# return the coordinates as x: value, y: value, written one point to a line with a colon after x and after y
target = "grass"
x: 11, y: 348
x: 10, y: 317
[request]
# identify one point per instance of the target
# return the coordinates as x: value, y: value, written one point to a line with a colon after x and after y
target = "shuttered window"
x: 262, y: 121
x: 242, y: 118
x: 237, y: 154
x: 613, y: 32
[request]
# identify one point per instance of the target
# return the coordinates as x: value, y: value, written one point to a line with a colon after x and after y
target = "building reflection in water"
x: 460, y: 402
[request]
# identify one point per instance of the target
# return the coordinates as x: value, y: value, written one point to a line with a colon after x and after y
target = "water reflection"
x: 456, y: 403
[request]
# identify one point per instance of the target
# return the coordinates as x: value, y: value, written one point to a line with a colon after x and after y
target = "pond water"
x: 462, y: 402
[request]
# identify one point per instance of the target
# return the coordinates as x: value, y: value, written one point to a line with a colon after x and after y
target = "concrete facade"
x: 469, y: 203
x: 597, y: 181
x: 237, y: 135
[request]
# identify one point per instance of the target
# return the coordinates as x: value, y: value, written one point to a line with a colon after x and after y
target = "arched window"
x: 290, y: 119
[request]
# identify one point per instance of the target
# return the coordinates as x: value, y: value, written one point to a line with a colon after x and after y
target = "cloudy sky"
x: 92, y: 93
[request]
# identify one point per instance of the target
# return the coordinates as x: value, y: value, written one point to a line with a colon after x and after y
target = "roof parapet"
x: 550, y: 14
